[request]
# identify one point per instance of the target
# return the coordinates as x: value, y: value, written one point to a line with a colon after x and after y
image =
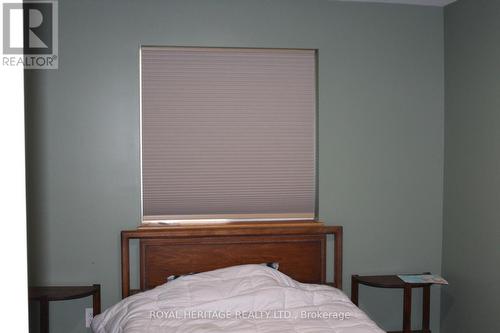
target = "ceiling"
x: 438, y: 3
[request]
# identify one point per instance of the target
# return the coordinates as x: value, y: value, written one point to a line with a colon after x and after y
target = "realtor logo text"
x: 30, y: 34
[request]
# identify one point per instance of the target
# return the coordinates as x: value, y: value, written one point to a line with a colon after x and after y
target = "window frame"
x: 155, y: 220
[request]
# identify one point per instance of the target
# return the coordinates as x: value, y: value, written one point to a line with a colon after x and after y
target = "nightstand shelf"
x: 394, y: 282
x: 44, y: 295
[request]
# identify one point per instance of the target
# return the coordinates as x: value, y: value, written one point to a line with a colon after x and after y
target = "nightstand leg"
x: 426, y: 309
x: 354, y: 290
x: 407, y: 309
x: 44, y: 315
x: 96, y: 300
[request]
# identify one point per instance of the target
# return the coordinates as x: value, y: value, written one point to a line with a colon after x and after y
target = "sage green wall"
x: 471, y: 246
x: 380, y: 133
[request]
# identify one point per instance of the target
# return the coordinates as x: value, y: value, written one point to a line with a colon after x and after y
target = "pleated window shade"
x: 228, y: 134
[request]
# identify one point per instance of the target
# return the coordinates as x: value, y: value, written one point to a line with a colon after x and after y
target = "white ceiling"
x: 438, y: 3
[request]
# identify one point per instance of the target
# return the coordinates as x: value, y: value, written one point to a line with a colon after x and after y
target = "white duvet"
x: 248, y: 298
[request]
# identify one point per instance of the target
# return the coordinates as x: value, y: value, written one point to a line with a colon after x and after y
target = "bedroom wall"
x: 380, y: 133
x: 471, y: 252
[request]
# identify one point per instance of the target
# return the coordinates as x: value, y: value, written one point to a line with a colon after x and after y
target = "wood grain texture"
x: 300, y: 256
x: 300, y: 248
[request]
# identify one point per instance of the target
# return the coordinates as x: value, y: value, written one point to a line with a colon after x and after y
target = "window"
x: 228, y: 134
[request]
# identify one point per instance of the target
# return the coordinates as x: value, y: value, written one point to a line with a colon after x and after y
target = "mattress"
x: 248, y: 298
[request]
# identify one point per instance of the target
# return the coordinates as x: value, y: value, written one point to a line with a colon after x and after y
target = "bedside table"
x: 394, y: 282
x: 44, y: 295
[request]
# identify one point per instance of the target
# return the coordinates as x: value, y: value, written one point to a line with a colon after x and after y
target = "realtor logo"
x: 30, y: 34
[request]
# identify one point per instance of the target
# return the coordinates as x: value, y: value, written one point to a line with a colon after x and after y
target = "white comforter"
x: 248, y: 298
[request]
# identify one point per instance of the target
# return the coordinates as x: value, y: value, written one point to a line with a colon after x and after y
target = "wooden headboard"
x: 299, y: 247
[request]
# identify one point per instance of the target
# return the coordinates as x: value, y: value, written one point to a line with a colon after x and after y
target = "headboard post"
x: 261, y: 235
x: 125, y: 246
x: 337, y: 258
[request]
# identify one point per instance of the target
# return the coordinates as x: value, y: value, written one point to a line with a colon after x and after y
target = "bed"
x: 233, y: 288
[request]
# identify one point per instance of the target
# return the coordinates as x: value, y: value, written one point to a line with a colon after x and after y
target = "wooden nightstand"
x: 393, y: 281
x: 44, y: 295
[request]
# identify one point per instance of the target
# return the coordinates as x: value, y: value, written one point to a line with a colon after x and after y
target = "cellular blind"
x: 228, y: 134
